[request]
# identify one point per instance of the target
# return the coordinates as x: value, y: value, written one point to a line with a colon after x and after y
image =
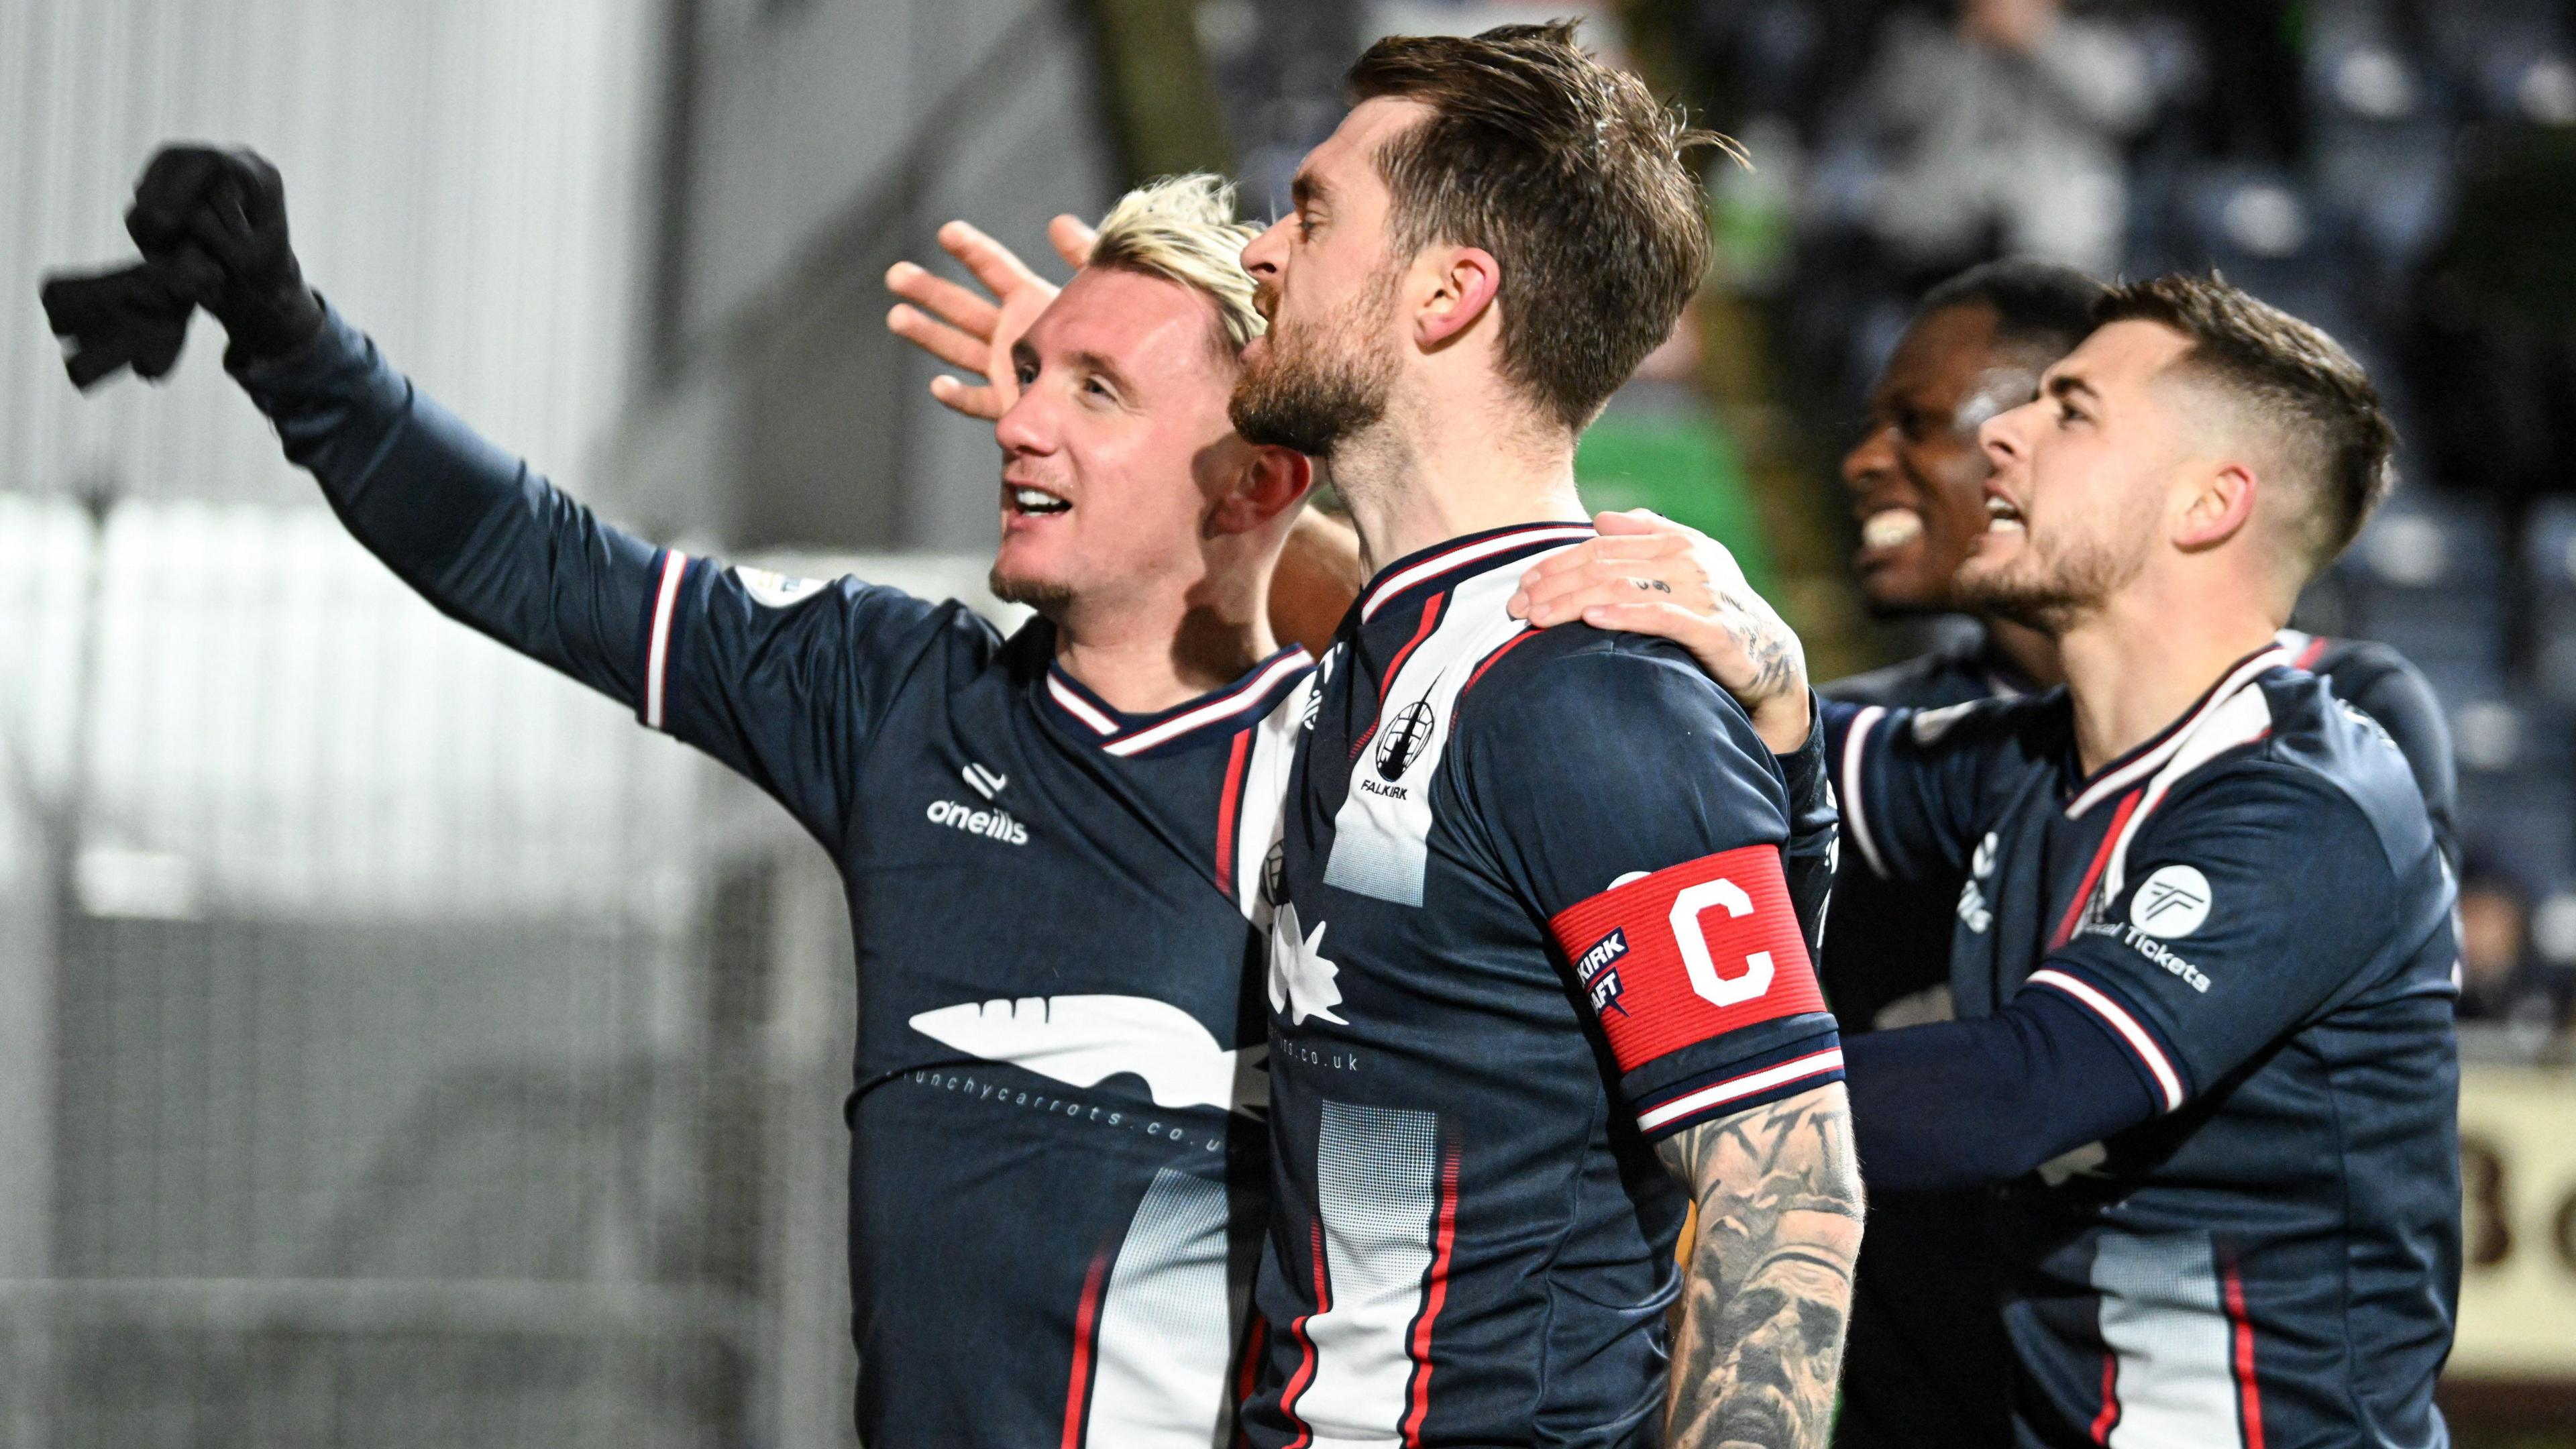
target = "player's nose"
x: 2004, y: 437
x: 1261, y: 254
x: 1871, y: 459
x: 1027, y: 426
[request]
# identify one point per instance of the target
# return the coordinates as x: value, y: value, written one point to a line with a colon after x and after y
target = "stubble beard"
x: 1314, y: 388
x: 1050, y: 597
x: 2051, y: 600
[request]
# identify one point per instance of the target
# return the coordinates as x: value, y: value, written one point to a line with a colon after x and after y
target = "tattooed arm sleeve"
x: 1768, y: 1284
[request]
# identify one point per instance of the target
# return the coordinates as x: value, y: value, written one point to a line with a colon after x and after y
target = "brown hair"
x: 2293, y: 380
x: 1572, y: 174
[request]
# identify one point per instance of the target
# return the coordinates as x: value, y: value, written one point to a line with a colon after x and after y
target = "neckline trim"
x: 2144, y: 759
x: 1121, y: 734
x: 1437, y: 562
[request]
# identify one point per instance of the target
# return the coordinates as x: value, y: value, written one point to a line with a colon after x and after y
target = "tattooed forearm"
x: 1766, y: 642
x: 1769, y: 1280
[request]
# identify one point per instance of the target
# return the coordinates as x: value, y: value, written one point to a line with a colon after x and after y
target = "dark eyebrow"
x: 1308, y: 187
x: 2067, y: 382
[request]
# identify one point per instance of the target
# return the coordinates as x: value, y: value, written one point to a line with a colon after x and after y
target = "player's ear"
x: 1268, y: 481
x: 2219, y: 504
x: 1463, y: 283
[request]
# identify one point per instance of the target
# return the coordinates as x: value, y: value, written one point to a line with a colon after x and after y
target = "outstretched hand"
x: 1646, y: 574
x: 966, y: 329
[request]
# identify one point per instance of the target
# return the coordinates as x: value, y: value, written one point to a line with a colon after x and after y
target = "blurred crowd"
x: 2397, y: 171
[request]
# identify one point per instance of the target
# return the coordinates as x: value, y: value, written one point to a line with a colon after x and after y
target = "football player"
x: 2203, y: 952
x: 1539, y: 980
x: 1927, y: 1362
x: 1052, y: 842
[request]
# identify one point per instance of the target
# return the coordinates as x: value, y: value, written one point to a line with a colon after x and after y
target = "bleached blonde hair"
x: 1183, y: 229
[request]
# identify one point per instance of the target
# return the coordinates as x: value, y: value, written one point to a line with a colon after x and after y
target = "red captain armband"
x: 1690, y: 953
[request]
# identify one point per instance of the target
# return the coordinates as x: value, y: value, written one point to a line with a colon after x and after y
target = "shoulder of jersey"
x: 2316, y: 730
x: 2331, y: 755
x: 1924, y: 681
x: 2040, y: 718
x: 2360, y: 668
x: 1522, y: 667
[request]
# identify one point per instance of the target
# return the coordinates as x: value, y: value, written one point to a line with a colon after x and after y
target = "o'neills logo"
x: 991, y: 824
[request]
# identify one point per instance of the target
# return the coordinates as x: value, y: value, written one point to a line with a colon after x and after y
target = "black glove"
x: 229, y: 206
x: 135, y: 316
x: 212, y: 227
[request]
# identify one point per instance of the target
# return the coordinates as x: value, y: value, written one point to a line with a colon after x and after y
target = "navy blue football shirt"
x: 1538, y: 914
x: 1057, y: 1174
x: 1926, y: 1364
x: 2254, y: 906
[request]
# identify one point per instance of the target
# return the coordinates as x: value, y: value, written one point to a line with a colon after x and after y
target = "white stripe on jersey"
x: 1855, y: 756
x: 2239, y: 719
x: 1231, y: 702
x: 2146, y: 764
x: 1261, y: 814
x: 1377, y: 1183
x: 1080, y: 708
x: 2168, y: 1338
x: 1813, y: 1064
x: 1167, y: 1324
x: 1382, y: 833
x: 1443, y: 562
x: 657, y: 653
x: 2115, y: 1016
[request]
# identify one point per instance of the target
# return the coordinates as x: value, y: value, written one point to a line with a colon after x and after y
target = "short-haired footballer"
x: 2204, y: 954
x: 1928, y: 1366
x: 1539, y: 981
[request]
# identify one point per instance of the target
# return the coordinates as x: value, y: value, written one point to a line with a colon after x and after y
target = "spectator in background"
x: 2493, y: 346
x: 2502, y: 979
x: 2002, y: 128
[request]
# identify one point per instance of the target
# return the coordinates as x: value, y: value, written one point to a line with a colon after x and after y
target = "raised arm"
x: 465, y: 524
x: 776, y: 678
x: 1768, y: 1284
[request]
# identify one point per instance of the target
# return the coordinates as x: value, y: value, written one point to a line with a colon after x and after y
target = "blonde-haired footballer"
x: 1051, y: 842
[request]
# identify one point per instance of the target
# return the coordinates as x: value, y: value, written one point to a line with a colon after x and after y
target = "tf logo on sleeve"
x: 1689, y: 953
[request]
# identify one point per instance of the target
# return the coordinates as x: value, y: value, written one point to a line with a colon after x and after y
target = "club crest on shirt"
x: 1403, y: 739
x: 1274, y: 875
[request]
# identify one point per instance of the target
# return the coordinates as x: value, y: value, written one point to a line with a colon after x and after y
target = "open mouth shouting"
x: 1890, y: 528
x: 2002, y: 514
x: 1020, y: 500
